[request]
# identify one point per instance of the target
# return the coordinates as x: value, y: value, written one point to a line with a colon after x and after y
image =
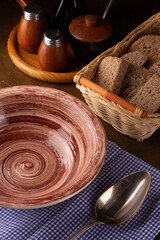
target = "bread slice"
x: 133, y: 80
x: 149, y: 45
x: 148, y: 96
x: 152, y: 60
x: 135, y: 58
x: 155, y: 68
x: 110, y: 73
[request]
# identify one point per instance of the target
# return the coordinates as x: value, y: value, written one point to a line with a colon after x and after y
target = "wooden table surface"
x: 124, y: 17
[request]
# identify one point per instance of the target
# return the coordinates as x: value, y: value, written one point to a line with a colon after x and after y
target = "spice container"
x: 31, y: 28
x: 52, y: 53
x: 91, y: 35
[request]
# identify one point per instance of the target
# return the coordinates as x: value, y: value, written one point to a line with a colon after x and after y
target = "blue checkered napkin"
x: 59, y: 221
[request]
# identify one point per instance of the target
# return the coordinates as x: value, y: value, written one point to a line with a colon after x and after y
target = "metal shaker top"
x: 53, y: 38
x: 32, y: 12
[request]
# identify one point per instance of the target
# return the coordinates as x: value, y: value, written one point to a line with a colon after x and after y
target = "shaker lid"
x: 53, y: 38
x: 32, y: 12
x: 90, y: 28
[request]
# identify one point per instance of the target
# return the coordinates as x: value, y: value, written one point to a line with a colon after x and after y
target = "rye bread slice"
x: 134, y: 79
x: 110, y: 73
x: 135, y: 58
x: 148, y: 45
x: 155, y: 68
x: 152, y: 60
x: 148, y: 96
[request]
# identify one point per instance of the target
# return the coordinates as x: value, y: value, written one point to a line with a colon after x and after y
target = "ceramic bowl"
x: 51, y: 146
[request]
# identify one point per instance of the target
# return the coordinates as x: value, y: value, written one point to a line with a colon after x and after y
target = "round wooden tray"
x: 28, y: 63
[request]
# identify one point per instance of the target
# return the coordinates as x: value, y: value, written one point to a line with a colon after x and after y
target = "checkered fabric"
x: 59, y: 221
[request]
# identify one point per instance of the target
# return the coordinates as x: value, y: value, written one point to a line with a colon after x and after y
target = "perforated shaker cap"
x: 32, y: 12
x: 53, y: 38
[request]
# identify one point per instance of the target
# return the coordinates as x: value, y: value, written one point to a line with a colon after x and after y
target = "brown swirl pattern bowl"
x: 51, y: 146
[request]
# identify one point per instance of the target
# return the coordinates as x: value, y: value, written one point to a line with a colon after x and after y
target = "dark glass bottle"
x: 64, y: 11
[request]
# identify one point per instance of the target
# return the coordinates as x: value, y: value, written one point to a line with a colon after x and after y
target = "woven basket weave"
x: 123, y: 116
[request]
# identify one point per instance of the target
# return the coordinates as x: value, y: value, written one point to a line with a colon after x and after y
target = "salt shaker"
x: 31, y: 28
x: 52, y: 53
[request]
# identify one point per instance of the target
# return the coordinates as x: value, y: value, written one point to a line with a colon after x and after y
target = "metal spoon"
x: 119, y: 202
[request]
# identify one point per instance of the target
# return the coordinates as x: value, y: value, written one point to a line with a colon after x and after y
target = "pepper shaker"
x: 31, y: 28
x: 52, y: 53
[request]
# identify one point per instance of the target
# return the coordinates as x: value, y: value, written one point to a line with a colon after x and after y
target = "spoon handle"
x: 83, y: 229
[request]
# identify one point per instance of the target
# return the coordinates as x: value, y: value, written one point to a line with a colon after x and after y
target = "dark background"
x: 124, y: 15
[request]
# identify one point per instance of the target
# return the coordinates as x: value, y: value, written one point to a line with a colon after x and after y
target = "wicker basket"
x: 123, y: 116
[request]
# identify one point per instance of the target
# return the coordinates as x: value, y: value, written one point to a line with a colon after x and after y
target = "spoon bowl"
x: 120, y: 201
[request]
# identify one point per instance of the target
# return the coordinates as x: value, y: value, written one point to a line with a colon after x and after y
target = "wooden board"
x: 28, y: 63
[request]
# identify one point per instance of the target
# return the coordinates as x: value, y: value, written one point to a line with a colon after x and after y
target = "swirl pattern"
x: 51, y: 146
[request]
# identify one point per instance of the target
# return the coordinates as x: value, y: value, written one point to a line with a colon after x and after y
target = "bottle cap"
x: 32, y: 12
x: 53, y: 38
